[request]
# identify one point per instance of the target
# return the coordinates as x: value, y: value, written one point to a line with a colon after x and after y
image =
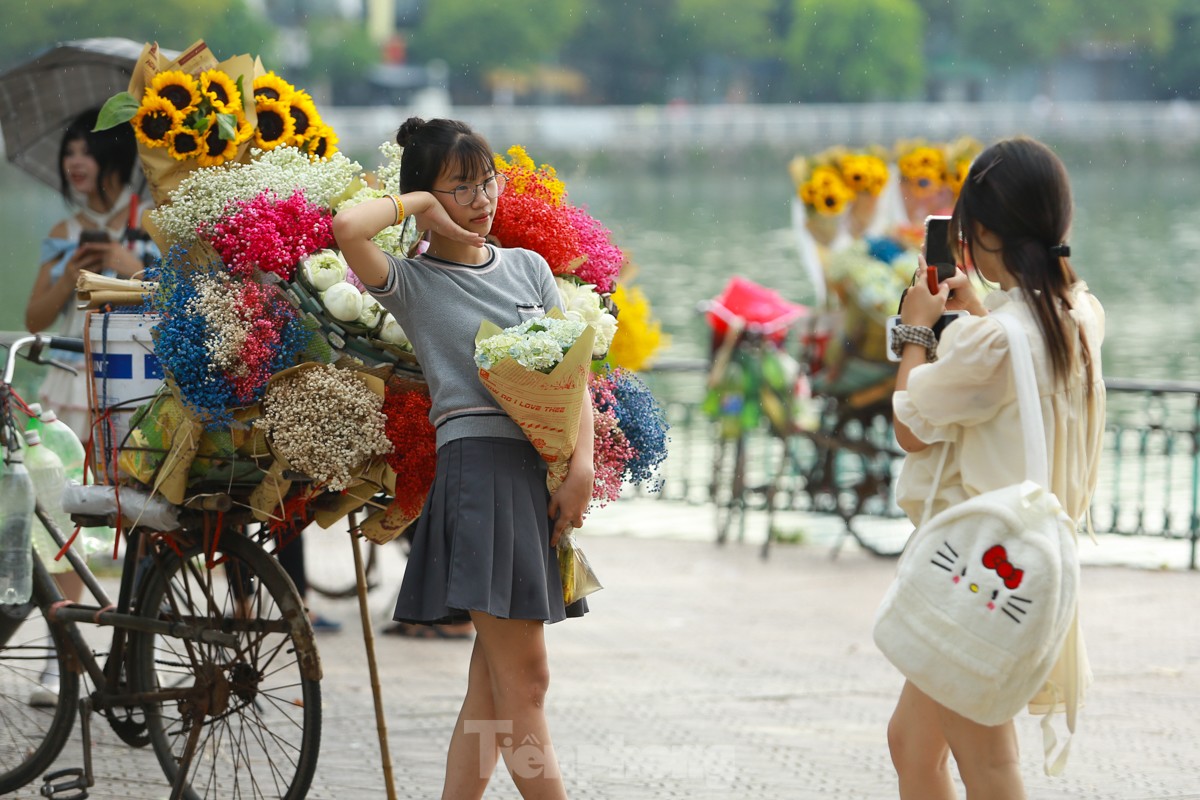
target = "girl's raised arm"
x: 354, y: 228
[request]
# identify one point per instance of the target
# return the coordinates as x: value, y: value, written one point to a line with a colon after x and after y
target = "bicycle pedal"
x: 58, y: 791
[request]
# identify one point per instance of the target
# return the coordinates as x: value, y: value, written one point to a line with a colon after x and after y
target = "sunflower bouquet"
x: 196, y: 112
x: 922, y: 166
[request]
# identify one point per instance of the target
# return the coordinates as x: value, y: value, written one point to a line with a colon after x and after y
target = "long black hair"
x: 1018, y: 190
x: 439, y: 143
x: 115, y: 151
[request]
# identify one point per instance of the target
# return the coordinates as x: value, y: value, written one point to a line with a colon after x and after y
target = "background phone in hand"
x: 94, y: 236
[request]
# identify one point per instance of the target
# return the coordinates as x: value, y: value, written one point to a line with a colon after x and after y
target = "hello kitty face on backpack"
x: 993, y: 578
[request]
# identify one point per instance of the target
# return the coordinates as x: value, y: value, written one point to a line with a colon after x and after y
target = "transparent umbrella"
x: 39, y: 98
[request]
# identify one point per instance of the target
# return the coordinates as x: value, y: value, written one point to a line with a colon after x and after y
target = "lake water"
x: 1136, y: 241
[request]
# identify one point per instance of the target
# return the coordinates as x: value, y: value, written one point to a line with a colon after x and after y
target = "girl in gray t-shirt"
x: 483, y: 547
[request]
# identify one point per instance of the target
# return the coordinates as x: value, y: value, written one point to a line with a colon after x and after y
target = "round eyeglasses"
x: 465, y: 194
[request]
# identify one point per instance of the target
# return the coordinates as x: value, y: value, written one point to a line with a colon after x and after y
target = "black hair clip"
x: 978, y: 178
x: 1061, y: 250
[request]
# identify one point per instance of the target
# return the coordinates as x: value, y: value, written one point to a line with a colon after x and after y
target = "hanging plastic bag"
x: 578, y: 578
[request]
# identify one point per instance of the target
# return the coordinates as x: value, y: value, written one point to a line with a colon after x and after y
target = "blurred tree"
x: 626, y: 54
x: 1175, y: 69
x: 341, y: 51
x: 722, y: 44
x: 1020, y: 32
x: 744, y: 31
x: 475, y: 36
x: 1146, y: 24
x: 229, y: 26
x: 855, y: 49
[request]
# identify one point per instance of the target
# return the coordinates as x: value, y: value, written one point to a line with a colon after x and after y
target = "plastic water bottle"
x: 16, y: 528
x: 61, y: 438
x: 49, y: 480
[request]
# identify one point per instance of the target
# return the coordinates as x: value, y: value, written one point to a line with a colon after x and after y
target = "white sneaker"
x: 46, y: 695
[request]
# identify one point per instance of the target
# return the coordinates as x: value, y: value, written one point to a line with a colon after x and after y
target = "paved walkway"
x: 706, y: 672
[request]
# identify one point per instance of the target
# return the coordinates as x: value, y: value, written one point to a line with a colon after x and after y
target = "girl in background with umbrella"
x: 95, y: 170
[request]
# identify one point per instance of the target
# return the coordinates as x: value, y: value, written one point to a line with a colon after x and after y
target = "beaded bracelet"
x: 914, y: 334
x: 399, y: 208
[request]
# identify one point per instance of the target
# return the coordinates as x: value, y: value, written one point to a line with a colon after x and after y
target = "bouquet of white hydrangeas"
x: 538, y: 372
x: 537, y: 344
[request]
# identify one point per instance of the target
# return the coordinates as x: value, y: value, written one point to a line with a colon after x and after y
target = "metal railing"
x: 1149, y: 474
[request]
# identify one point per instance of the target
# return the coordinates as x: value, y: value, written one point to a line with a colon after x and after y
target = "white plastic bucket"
x: 125, y: 375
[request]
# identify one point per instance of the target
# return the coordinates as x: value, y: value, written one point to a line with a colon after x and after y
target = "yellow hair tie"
x: 399, y: 208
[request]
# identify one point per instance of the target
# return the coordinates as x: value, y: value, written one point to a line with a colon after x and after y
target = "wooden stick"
x: 369, y: 641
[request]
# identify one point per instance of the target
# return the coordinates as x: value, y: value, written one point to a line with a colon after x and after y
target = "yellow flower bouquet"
x: 197, y: 112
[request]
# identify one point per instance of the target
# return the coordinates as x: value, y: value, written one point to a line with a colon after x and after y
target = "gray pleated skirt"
x: 482, y: 542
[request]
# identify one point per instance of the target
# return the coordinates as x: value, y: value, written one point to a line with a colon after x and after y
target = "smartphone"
x: 94, y: 236
x: 939, y: 326
x: 937, y: 246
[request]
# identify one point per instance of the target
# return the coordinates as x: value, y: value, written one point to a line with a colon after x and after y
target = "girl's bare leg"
x: 515, y: 653
x: 988, y: 757
x: 919, y: 749
x: 474, y: 747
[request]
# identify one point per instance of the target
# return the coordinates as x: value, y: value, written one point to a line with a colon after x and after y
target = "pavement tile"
x: 707, y: 672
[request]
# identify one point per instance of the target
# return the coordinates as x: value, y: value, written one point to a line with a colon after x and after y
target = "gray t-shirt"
x: 440, y: 305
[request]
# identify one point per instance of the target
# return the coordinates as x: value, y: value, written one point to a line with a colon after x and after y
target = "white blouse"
x: 966, y: 401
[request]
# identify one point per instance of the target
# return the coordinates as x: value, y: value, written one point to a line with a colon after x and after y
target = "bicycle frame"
x: 166, y: 602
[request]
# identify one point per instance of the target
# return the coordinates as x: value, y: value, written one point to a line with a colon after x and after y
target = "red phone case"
x: 931, y: 278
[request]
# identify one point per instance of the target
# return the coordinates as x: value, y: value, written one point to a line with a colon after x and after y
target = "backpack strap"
x: 1033, y: 430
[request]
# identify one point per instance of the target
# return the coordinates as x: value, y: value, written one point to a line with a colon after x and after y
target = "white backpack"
x: 985, y: 593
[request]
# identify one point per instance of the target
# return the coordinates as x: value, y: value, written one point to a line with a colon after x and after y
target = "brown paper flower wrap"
x: 170, y: 451
x: 546, y: 407
x: 321, y: 420
x: 164, y: 173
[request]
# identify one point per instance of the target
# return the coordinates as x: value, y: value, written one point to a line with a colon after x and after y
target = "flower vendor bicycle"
x: 215, y: 669
x: 838, y: 462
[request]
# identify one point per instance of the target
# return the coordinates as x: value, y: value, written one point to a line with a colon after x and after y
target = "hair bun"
x: 408, y: 130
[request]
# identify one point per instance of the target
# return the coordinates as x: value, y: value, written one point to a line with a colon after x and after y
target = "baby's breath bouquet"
x: 538, y: 372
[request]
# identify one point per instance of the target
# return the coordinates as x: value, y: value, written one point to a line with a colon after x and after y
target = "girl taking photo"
x: 483, y: 547
x: 95, y: 169
x: 1010, y: 222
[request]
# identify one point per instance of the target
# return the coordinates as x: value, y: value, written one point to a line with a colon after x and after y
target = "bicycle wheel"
x: 31, y: 736
x: 249, y: 713
x: 332, y: 575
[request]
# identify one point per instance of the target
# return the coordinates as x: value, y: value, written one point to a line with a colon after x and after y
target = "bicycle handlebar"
x: 40, y: 341
x: 69, y: 343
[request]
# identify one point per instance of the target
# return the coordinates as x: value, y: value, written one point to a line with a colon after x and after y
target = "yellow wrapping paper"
x: 172, y: 477
x: 547, y: 407
x: 385, y: 524
x: 163, y: 172
x: 355, y: 496
x: 269, y: 495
